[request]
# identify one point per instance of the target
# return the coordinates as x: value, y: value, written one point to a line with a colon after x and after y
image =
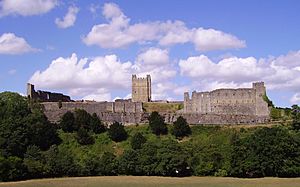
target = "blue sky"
x: 89, y: 49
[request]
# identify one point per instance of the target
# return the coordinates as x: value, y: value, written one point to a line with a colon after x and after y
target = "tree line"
x: 33, y: 147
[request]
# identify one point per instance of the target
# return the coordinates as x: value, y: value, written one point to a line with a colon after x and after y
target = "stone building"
x: 45, y: 96
x: 241, y: 101
x: 141, y: 89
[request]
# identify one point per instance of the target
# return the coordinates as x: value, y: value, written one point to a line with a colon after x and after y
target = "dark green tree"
x: 12, y: 168
x: 181, y: 128
x: 157, y: 124
x: 117, y: 132
x: 296, y: 117
x: 267, y: 152
x: 137, y: 141
x: 96, y: 125
x: 33, y: 160
x: 82, y: 119
x: 84, y: 137
x: 67, y: 122
x: 41, y: 132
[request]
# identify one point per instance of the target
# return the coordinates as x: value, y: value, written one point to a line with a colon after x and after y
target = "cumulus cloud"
x: 12, y: 44
x: 118, y: 33
x: 279, y: 73
x: 72, y: 73
x: 99, y: 77
x: 26, y: 8
x: 69, y: 19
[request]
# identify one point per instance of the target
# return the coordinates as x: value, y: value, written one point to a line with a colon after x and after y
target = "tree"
x: 117, y: 132
x: 82, y: 119
x: 33, y: 160
x: 96, y: 124
x: 137, y: 141
x: 266, y: 152
x: 181, y: 128
x: 157, y: 124
x: 41, y: 132
x: 296, y: 117
x: 11, y: 168
x: 84, y: 137
x: 67, y: 122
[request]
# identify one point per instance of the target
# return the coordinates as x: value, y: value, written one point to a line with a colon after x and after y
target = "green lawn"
x: 132, y: 181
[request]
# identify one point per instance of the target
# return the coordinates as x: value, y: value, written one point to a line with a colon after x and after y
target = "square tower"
x: 141, y: 89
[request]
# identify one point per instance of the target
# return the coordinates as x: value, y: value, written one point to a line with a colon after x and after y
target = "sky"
x: 89, y: 49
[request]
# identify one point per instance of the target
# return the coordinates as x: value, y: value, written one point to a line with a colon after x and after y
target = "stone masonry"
x: 45, y: 96
x: 241, y: 101
x: 141, y: 89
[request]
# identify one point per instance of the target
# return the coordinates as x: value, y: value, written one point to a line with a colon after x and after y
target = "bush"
x: 117, y: 132
x: 157, y: 124
x: 181, y: 128
x: 84, y: 137
x: 137, y: 141
x: 96, y: 124
x: 67, y: 122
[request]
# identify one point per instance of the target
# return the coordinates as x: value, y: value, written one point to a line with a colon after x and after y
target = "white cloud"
x: 12, y: 44
x: 26, y: 7
x: 154, y: 56
x: 281, y: 73
x: 295, y: 99
x: 70, y: 73
x: 101, y: 76
x: 69, y: 19
x: 118, y: 33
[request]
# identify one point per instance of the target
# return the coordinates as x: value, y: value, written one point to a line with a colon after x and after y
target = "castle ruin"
x: 141, y: 89
x: 241, y: 101
x: 221, y: 106
x: 45, y: 96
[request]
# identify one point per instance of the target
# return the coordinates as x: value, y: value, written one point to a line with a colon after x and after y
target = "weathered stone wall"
x: 141, y: 89
x: 45, y: 96
x: 243, y: 101
x: 105, y: 111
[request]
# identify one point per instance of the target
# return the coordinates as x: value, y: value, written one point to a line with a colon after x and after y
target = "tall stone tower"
x: 261, y: 106
x: 141, y: 89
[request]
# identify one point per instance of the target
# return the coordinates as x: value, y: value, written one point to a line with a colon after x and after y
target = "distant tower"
x: 30, y: 91
x: 141, y: 89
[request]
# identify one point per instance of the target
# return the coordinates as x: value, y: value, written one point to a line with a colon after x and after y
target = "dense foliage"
x: 181, y: 128
x: 31, y: 146
x: 157, y: 124
x: 117, y: 132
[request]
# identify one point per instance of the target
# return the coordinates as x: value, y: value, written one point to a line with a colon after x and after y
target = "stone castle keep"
x: 141, y: 89
x: 221, y: 106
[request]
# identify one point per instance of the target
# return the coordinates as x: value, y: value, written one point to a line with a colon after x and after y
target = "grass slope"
x: 132, y: 181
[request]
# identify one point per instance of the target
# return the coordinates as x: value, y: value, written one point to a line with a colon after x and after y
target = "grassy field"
x: 162, y: 107
x: 132, y: 181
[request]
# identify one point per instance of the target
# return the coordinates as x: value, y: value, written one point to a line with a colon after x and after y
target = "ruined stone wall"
x: 45, y: 96
x: 243, y: 101
x: 141, y: 89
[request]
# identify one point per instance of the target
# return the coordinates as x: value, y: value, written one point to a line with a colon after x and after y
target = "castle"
x: 229, y: 101
x: 221, y: 106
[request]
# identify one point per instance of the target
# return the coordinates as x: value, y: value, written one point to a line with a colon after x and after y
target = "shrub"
x: 157, y: 124
x: 181, y: 128
x: 137, y: 141
x: 84, y: 137
x: 117, y: 132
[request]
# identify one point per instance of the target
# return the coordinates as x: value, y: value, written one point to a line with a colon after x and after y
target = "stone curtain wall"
x: 110, y: 112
